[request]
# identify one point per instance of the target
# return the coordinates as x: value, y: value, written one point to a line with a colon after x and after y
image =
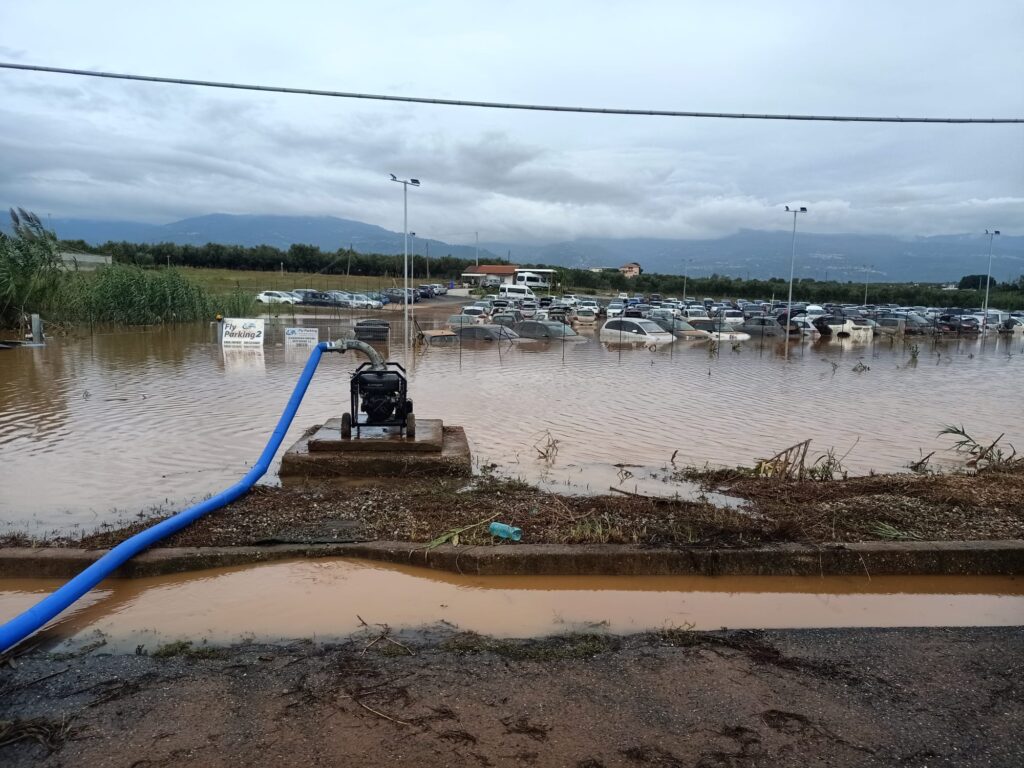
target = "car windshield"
x: 560, y: 329
x: 650, y: 326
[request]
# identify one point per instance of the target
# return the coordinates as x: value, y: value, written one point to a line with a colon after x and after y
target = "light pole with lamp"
x: 686, y: 269
x: 867, y: 273
x: 792, y: 262
x: 988, y: 280
x: 405, y: 259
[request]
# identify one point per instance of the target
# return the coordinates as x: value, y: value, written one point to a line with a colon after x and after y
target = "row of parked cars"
x: 348, y: 300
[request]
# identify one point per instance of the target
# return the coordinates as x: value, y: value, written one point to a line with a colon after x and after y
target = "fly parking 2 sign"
x: 242, y: 333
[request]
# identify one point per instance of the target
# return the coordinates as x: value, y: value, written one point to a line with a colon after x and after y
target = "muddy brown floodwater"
x: 327, y: 600
x: 100, y: 426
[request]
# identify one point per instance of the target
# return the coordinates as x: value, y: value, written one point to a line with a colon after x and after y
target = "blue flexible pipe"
x: 23, y: 625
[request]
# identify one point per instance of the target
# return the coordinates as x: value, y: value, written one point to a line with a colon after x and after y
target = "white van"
x: 515, y: 292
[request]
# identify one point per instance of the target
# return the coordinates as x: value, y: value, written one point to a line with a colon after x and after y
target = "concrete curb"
x: 917, y: 558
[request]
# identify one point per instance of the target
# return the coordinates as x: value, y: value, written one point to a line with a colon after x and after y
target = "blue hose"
x: 23, y: 625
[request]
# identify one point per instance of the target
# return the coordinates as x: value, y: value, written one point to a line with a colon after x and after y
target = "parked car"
x: 950, y: 323
x: 634, y: 331
x: 318, y: 299
x: 398, y: 296
x: 485, y: 333
x: 475, y: 311
x: 276, y: 297
x: 362, y: 301
x: 615, y: 309
x: 457, y: 321
x: 681, y: 329
x: 545, y: 329
x: 509, y: 318
x: 439, y: 289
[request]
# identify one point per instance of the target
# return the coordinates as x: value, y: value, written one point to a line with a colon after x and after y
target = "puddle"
x: 323, y: 599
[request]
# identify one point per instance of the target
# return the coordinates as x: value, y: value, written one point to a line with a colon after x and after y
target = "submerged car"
x: 635, y: 331
x: 457, y: 321
x: 681, y: 329
x: 545, y: 329
x: 485, y: 333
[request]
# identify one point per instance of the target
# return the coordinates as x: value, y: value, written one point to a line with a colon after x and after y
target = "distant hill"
x: 747, y: 252
x: 767, y: 254
x: 329, y: 233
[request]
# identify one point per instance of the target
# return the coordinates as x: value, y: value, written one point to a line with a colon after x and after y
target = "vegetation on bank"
x: 34, y: 279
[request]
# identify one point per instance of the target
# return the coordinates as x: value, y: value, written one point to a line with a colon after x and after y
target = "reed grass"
x: 34, y: 279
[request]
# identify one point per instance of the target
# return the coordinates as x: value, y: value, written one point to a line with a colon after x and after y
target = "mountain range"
x: 747, y: 253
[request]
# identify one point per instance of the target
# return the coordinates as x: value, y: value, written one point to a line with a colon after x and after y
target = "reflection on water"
x: 107, y: 424
x: 324, y: 599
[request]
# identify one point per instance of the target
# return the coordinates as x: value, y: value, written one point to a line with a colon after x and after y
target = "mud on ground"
x: 674, y: 698
x: 943, y: 507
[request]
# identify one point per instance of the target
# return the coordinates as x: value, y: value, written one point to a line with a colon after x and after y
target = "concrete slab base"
x: 452, y: 459
x: 429, y: 438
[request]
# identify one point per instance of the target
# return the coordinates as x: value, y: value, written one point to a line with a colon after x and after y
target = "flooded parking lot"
x: 330, y: 599
x: 97, y: 427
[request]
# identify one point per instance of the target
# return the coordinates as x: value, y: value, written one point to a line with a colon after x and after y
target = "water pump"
x: 379, y: 394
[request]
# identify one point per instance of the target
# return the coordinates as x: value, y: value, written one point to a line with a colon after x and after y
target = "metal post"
x: 405, y: 261
x: 477, y: 234
x: 792, y: 262
x: 37, y: 329
x: 988, y: 280
x: 866, y: 274
x: 405, y: 275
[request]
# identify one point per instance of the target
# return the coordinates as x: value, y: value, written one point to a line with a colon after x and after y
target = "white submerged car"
x: 630, y: 330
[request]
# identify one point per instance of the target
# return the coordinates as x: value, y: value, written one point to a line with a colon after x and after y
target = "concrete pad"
x: 902, y: 558
x: 429, y: 438
x: 453, y: 460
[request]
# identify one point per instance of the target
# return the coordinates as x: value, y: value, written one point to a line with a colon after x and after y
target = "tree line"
x: 347, y: 261
x: 267, y: 258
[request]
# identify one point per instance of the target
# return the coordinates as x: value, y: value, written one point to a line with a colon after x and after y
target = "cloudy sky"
x: 77, y: 147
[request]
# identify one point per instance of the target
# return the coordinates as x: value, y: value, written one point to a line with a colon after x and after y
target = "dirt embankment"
x: 986, y: 506
x: 674, y: 698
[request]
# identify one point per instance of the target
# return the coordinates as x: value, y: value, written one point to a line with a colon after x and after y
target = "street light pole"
x: 867, y: 272
x: 686, y: 268
x: 405, y: 260
x: 792, y: 263
x: 988, y: 280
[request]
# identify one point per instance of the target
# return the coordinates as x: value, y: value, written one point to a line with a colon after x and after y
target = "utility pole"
x: 428, y: 261
x: 867, y: 273
x: 477, y: 234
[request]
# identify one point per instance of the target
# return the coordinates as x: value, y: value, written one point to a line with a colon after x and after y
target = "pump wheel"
x: 410, y: 425
x: 346, y: 426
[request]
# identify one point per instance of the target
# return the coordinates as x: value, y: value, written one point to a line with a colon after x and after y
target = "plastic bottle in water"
x: 504, y: 531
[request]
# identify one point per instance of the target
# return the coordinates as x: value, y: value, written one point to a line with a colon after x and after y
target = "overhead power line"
x: 503, y: 105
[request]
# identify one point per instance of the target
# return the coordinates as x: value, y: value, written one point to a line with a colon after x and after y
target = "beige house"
x: 630, y: 270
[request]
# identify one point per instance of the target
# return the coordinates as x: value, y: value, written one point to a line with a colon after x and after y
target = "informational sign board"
x: 304, y: 338
x: 242, y: 333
